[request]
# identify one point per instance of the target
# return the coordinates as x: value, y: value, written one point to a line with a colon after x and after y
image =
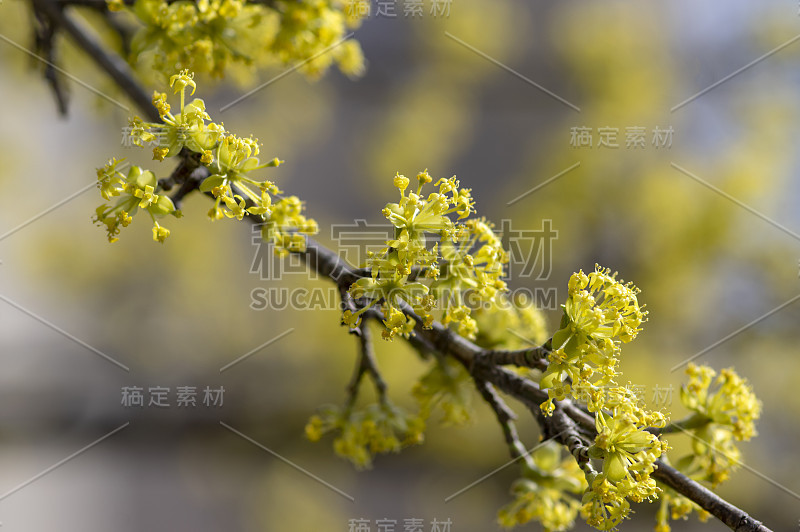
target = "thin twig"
x: 45, y: 35
x: 112, y: 64
x: 366, y: 364
x: 505, y: 417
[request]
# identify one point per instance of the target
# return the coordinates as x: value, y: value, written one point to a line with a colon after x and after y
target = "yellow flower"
x: 110, y: 180
x: 160, y: 153
x: 124, y: 219
x: 160, y: 103
x: 401, y: 182
x: 314, y: 428
x: 147, y: 196
x: 396, y: 322
x: 236, y: 206
x: 181, y: 80
x: 160, y: 234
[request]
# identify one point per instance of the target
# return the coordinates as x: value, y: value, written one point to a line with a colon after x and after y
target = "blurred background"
x: 712, y: 242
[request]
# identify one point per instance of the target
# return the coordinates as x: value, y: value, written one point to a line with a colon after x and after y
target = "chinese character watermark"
x: 161, y: 397
x: 394, y: 8
x: 529, y: 257
x: 635, y: 137
x: 530, y: 250
x: 160, y: 141
x: 412, y: 524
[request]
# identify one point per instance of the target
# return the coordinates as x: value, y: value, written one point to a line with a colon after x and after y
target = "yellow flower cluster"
x: 675, y: 506
x: 211, y: 36
x: 231, y: 161
x: 472, y: 261
x: 286, y: 226
x: 543, y: 494
x: 628, y: 452
x: 312, y: 34
x: 206, y: 36
x: 731, y: 402
x: 515, y: 314
x: 187, y: 129
x: 454, y: 256
x: 600, y: 313
x: 361, y: 434
x: 448, y: 386
x: 725, y: 410
x: 136, y: 191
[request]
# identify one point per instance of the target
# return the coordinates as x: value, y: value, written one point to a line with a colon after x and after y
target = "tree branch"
x: 45, y: 35
x: 534, y: 357
x: 366, y: 365
x: 709, y: 501
x: 569, y: 424
x: 112, y: 64
x: 505, y: 416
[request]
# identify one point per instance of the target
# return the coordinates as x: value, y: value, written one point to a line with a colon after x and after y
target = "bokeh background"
x: 175, y: 314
